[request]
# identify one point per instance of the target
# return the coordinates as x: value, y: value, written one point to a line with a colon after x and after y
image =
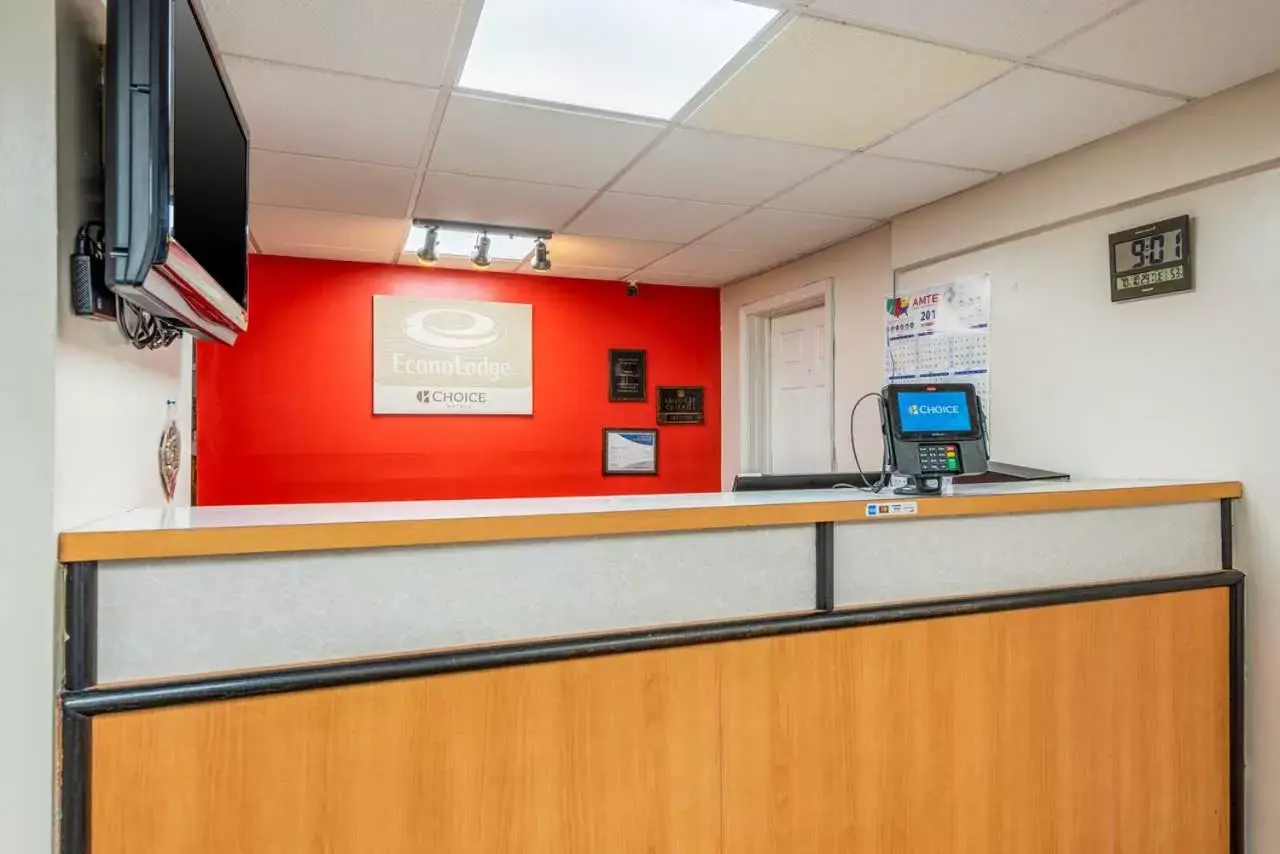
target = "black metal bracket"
x: 826, y: 566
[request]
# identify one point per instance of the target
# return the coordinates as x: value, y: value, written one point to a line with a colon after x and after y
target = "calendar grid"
x: 941, y: 333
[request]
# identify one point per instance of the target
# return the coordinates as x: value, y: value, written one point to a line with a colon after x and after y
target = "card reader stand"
x: 920, y: 484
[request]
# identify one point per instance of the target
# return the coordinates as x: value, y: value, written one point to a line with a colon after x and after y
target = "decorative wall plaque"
x: 681, y: 404
x: 628, y: 376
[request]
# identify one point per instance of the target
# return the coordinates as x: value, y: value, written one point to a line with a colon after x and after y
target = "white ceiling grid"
x: 837, y: 116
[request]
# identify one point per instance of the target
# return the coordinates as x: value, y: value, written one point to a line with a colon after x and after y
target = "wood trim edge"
x: 266, y: 539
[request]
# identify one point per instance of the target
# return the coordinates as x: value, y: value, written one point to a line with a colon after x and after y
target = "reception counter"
x: 228, y: 588
x: 1088, y: 612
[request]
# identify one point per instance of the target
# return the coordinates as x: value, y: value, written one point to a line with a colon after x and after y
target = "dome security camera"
x: 633, y: 288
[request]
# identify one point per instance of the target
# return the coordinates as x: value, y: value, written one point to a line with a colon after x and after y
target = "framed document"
x: 627, y: 376
x: 681, y: 404
x: 630, y: 450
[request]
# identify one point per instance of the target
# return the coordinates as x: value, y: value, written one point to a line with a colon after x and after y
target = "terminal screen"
x: 934, y: 412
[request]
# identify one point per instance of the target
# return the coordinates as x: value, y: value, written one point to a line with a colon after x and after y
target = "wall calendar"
x: 941, y: 333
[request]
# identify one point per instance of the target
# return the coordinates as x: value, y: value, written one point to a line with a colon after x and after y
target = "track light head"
x: 541, y: 257
x: 480, y: 257
x: 427, y: 251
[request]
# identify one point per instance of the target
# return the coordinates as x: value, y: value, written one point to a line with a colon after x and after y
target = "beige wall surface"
x: 1176, y: 386
x: 1237, y: 129
x: 861, y: 277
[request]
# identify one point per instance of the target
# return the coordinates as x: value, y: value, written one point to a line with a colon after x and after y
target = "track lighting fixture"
x: 480, y: 257
x: 541, y: 257
x: 427, y: 252
x: 450, y: 241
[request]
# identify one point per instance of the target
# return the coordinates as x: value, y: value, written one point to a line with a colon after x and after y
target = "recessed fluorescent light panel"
x: 642, y: 57
x: 461, y: 244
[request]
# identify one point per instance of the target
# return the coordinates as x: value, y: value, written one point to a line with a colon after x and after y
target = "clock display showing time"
x: 1151, y: 259
x: 1150, y: 251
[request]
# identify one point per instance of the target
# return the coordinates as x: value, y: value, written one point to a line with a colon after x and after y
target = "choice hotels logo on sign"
x: 936, y: 409
x: 452, y: 357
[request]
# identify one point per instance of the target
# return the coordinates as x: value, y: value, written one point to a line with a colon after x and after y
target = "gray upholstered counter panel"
x: 175, y: 617
x: 894, y: 561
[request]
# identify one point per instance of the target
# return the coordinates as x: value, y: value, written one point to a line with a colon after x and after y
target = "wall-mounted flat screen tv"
x: 177, y: 170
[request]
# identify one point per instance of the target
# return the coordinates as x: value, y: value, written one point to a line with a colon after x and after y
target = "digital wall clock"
x: 1151, y: 260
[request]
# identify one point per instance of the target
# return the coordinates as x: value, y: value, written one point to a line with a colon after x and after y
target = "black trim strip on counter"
x: 81, y: 616
x: 1235, y: 674
x: 825, y: 553
x: 1226, y: 533
x: 201, y: 689
x: 77, y: 733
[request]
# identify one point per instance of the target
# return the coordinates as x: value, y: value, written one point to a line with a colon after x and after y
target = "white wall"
x: 28, y: 281
x: 1177, y: 386
x: 81, y: 413
x: 109, y: 398
x: 861, y: 276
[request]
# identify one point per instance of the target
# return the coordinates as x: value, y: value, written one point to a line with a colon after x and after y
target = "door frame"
x: 755, y: 448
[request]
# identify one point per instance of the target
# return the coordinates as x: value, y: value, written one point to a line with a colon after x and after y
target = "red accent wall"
x: 285, y: 416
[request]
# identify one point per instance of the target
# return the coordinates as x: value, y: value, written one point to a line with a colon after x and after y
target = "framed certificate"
x: 630, y: 450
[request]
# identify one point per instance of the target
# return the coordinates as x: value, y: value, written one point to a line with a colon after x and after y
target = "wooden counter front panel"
x: 599, y: 755
x: 1077, y: 729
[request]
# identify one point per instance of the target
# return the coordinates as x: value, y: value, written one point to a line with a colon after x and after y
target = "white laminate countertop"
x: 271, y: 515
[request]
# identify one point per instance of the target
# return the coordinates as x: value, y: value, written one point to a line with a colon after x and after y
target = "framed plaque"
x: 630, y: 450
x: 681, y: 404
x: 627, y: 376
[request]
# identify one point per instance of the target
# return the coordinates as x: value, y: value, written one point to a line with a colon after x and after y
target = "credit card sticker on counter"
x: 892, y: 508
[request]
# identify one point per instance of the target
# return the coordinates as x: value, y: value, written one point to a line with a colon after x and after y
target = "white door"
x: 799, y: 413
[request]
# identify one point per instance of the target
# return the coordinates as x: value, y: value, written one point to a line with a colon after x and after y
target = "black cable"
x: 148, y: 332
x: 853, y: 444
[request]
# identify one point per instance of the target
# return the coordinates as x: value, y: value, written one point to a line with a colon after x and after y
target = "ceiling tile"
x: 835, y: 85
x: 1017, y: 27
x: 1027, y: 116
x: 713, y: 167
x: 701, y: 263
x: 550, y: 146
x: 876, y: 187
x: 294, y: 180
x: 332, y: 115
x: 578, y: 251
x: 650, y: 218
x: 569, y: 271
x: 450, y: 262
x: 645, y: 58
x: 394, y: 39
x: 1195, y: 47
x: 784, y: 233
x: 463, y: 198
x: 293, y: 231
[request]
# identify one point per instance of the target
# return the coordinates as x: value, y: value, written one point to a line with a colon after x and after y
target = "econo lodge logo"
x: 459, y: 333
x: 451, y: 329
